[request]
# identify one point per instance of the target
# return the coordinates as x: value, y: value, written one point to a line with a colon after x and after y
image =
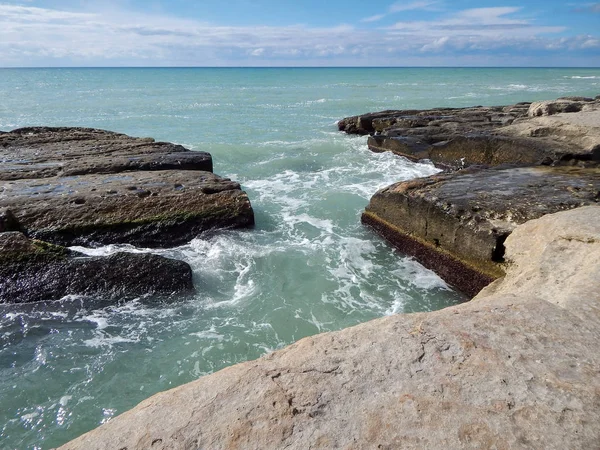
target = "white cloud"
x: 403, y: 6
x: 436, y: 45
x: 38, y: 36
x: 374, y: 18
x: 591, y: 43
x: 482, y: 22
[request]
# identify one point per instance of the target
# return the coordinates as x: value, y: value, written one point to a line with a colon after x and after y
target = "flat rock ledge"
x: 560, y: 132
x: 515, y: 368
x: 82, y: 186
x: 503, y: 166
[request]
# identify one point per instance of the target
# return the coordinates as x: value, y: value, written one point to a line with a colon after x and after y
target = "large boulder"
x: 513, y: 369
x: 32, y: 270
x: 84, y: 186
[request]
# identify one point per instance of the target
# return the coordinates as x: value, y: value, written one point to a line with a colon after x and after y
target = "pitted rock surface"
x: 84, y: 186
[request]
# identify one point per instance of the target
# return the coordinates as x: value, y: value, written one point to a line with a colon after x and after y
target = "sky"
x: 66, y: 33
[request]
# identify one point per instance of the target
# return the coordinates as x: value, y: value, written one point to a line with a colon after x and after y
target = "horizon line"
x: 300, y: 67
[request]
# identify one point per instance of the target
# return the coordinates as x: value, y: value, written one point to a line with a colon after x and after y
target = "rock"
x: 578, y: 135
x: 41, y: 152
x: 32, y: 271
x: 548, y: 108
x: 458, y: 152
x: 8, y: 221
x: 83, y: 186
x: 567, y: 240
x: 508, y: 370
x: 456, y: 223
x: 454, y: 138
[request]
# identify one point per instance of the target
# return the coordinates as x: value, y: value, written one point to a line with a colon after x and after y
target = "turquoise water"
x: 307, y: 267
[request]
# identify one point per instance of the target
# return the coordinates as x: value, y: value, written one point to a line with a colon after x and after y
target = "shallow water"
x: 307, y: 267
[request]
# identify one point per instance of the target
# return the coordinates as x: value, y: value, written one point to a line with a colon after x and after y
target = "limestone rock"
x: 577, y: 134
x: 505, y: 371
x: 456, y: 223
x: 569, y: 240
x: 455, y: 138
x: 32, y: 271
x: 84, y: 186
x: 41, y: 152
x: 548, y: 108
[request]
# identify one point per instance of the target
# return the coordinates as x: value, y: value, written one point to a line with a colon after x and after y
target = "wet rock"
x: 41, y: 152
x: 454, y: 138
x: 83, y: 186
x: 456, y: 223
x: 8, y: 221
x: 510, y: 370
x: 32, y: 270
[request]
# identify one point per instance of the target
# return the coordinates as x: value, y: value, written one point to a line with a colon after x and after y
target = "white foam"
x: 29, y: 417
x: 108, y: 250
x: 107, y: 341
x: 321, y: 224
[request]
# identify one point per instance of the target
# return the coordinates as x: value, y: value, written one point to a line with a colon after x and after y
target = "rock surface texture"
x: 81, y: 186
x: 526, y: 133
x: 84, y: 186
x: 504, y: 166
x: 32, y: 271
x: 456, y: 223
x: 516, y: 368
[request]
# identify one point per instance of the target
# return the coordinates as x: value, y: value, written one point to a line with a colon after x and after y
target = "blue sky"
x: 299, y: 33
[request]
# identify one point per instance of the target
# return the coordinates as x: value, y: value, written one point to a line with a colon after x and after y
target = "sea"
x: 307, y: 267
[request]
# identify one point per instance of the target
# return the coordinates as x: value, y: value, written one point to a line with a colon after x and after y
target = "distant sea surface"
x: 307, y: 267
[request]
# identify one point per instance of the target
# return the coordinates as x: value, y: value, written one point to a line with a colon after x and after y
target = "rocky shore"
x: 502, y: 167
x: 515, y: 368
x: 79, y: 186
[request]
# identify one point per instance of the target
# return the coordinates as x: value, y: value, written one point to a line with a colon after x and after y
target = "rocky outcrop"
x: 504, y: 166
x: 44, y: 152
x: 454, y: 138
x: 515, y: 368
x: 83, y: 186
x: 32, y: 271
x: 456, y: 223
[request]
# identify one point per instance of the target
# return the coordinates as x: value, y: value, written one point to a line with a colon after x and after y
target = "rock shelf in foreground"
x: 515, y: 368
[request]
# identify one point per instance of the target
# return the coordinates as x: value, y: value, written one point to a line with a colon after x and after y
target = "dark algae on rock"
x: 503, y: 167
x: 82, y: 186
x: 33, y: 270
